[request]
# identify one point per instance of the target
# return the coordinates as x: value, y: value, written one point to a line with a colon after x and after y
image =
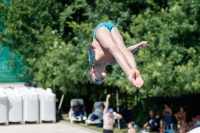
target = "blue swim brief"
x: 109, y: 26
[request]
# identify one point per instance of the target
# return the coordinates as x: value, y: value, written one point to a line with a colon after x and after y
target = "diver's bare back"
x: 101, y: 54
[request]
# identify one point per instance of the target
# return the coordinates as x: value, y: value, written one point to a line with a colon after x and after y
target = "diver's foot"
x: 135, y: 78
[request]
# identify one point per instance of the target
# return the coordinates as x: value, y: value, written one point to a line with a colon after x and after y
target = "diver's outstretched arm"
x: 135, y: 47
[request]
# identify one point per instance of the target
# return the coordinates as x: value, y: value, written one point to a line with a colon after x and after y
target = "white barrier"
x: 3, y: 107
x: 15, y: 105
x: 30, y: 105
x: 23, y: 104
x: 47, y: 105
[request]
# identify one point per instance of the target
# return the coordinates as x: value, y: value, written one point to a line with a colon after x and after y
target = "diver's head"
x: 97, y: 76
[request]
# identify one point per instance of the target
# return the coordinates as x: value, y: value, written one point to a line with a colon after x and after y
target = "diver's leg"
x: 128, y: 55
x: 106, y: 40
x: 120, y: 43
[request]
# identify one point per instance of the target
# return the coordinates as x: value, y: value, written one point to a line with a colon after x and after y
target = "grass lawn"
x: 94, y: 127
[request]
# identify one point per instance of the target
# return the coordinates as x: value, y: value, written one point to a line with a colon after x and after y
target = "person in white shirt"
x: 97, y: 112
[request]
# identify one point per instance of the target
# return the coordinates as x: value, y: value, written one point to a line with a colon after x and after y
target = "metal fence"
x: 11, y: 67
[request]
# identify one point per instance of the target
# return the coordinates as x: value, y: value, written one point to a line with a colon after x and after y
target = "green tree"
x: 51, y: 36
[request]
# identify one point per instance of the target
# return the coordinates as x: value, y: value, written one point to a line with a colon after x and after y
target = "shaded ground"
x: 60, y: 127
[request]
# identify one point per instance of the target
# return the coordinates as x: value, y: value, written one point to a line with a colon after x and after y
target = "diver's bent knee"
x: 113, y: 47
x: 124, y: 50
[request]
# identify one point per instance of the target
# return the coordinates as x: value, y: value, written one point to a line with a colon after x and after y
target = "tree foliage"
x: 52, y: 35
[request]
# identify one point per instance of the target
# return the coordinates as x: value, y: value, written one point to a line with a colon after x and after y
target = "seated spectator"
x: 190, y: 126
x: 152, y: 124
x: 181, y: 114
x: 196, y: 121
x: 77, y: 110
x: 161, y: 126
x: 97, y: 112
x: 181, y: 125
x: 131, y: 127
x: 194, y: 125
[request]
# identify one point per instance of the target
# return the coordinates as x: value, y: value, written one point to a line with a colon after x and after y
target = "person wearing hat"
x: 109, y: 117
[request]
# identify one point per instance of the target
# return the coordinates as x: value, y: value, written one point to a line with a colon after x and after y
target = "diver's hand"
x: 90, y: 47
x: 143, y: 44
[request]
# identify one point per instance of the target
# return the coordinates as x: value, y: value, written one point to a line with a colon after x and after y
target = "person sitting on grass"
x: 196, y: 121
x: 131, y: 127
x: 181, y: 125
x: 190, y: 126
x: 181, y: 114
x: 152, y: 124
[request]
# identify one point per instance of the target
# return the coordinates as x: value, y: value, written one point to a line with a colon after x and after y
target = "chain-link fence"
x: 11, y: 67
